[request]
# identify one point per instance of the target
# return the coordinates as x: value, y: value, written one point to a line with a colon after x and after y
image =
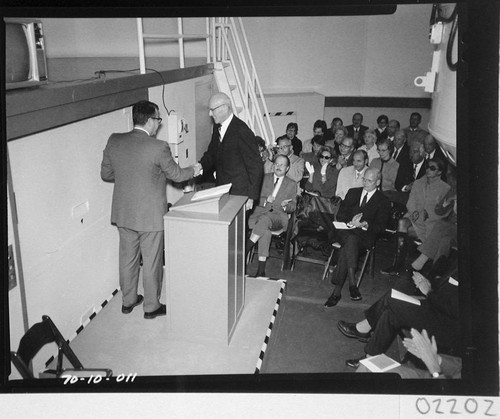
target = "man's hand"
x: 198, y: 169
x: 422, y: 283
x: 249, y: 204
x: 356, y: 220
x: 424, y: 348
x: 270, y: 199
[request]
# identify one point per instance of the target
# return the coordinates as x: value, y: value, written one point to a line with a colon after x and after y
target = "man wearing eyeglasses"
x: 297, y: 164
x: 421, y: 215
x: 233, y: 153
x: 139, y: 165
x: 365, y: 211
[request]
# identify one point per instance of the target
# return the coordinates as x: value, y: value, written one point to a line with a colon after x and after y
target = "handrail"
x: 246, y: 71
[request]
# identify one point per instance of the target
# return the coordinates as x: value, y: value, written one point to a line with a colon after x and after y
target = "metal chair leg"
x: 361, y: 274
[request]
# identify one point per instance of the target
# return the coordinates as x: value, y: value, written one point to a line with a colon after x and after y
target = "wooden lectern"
x: 205, y: 267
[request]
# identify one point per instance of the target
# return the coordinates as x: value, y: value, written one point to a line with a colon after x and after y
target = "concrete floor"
x: 305, y: 338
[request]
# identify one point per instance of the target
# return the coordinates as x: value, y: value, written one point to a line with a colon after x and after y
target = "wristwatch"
x: 435, y: 374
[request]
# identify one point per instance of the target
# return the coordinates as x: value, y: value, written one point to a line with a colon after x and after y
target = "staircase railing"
x: 224, y: 45
x: 226, y: 34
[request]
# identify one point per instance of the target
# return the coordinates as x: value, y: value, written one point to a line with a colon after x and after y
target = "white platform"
x: 130, y: 344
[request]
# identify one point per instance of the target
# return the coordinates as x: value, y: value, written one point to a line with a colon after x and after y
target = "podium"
x: 205, y: 267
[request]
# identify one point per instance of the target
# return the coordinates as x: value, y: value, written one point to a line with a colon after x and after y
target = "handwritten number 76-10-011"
x: 96, y: 379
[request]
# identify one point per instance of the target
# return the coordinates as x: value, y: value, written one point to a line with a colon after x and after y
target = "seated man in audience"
x: 345, y: 157
x: 407, y: 176
x: 370, y: 146
x: 421, y: 216
x: 277, y: 200
x: 437, y: 313
x: 432, y: 150
x: 365, y: 211
x: 392, y: 127
x: 381, y: 130
x: 401, y: 154
x: 413, y: 132
x: 422, y: 347
x: 352, y: 176
x: 285, y: 148
x: 356, y: 130
x: 387, y: 166
x: 291, y: 131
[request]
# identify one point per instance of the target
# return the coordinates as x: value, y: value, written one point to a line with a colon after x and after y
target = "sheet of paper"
x: 341, y: 226
x: 403, y: 297
x: 212, y: 192
x: 379, y: 363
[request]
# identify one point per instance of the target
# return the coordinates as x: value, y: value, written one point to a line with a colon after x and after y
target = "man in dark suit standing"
x: 277, y: 200
x: 233, y: 152
x: 356, y: 130
x: 365, y: 211
x: 140, y: 165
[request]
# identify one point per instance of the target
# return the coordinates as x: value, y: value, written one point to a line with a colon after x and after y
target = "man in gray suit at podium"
x: 140, y: 165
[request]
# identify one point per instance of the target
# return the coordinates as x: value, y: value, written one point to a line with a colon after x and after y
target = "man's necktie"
x: 395, y: 156
x: 363, y: 202
x: 381, y: 175
x: 275, y: 188
x: 219, y: 126
x: 415, y: 171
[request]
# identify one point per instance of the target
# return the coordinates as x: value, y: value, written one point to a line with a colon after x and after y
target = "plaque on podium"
x: 208, y: 201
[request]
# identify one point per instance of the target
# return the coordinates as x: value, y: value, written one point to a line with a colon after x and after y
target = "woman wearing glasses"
x: 323, y: 174
x: 421, y: 216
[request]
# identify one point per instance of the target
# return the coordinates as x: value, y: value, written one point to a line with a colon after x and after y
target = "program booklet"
x: 212, y: 192
x: 379, y: 363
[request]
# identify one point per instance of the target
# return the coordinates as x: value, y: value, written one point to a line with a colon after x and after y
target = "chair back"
x: 39, y: 335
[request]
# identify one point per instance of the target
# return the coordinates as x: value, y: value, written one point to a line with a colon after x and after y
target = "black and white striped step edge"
x: 271, y: 324
x: 86, y: 322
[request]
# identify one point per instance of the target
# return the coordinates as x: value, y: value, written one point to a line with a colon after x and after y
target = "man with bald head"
x: 233, y: 153
x: 365, y: 211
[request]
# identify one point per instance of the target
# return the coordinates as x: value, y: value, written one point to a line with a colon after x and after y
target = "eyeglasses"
x: 158, y: 119
x: 284, y: 146
x: 325, y: 157
x: 213, y: 109
x: 433, y: 168
x: 344, y: 145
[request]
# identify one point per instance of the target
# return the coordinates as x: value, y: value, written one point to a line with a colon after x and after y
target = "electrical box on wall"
x: 176, y: 127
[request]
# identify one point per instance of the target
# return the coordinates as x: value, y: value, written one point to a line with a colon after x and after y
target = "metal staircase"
x: 234, y: 69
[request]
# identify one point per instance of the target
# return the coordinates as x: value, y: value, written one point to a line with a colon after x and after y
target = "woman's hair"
x: 329, y: 150
x: 320, y: 124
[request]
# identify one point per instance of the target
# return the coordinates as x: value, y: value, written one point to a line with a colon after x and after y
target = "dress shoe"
x: 127, y: 310
x: 355, y: 294
x: 162, y: 311
x: 354, y: 363
x: 349, y: 330
x: 332, y: 300
x: 391, y: 270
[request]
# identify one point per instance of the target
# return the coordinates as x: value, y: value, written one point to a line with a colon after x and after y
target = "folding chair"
x: 39, y: 335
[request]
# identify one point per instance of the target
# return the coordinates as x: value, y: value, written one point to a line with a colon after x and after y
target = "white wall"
x: 333, y: 56
x: 343, y: 56
x: 70, y: 263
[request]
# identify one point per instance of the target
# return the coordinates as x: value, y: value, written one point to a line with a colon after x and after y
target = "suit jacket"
x: 287, y: 190
x: 140, y: 165
x: 415, y: 136
x: 389, y: 173
x: 375, y: 212
x: 405, y: 171
x: 381, y: 135
x: 235, y: 160
x: 359, y: 140
x: 347, y: 180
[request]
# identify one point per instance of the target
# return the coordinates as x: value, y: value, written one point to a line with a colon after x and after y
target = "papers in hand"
x: 212, y: 192
x: 341, y: 226
x: 379, y: 363
x: 403, y: 297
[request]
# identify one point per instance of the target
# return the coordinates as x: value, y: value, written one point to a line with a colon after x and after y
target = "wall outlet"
x: 12, y: 268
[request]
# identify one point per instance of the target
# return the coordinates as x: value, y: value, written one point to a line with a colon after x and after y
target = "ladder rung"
x: 233, y: 86
x: 174, y: 36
